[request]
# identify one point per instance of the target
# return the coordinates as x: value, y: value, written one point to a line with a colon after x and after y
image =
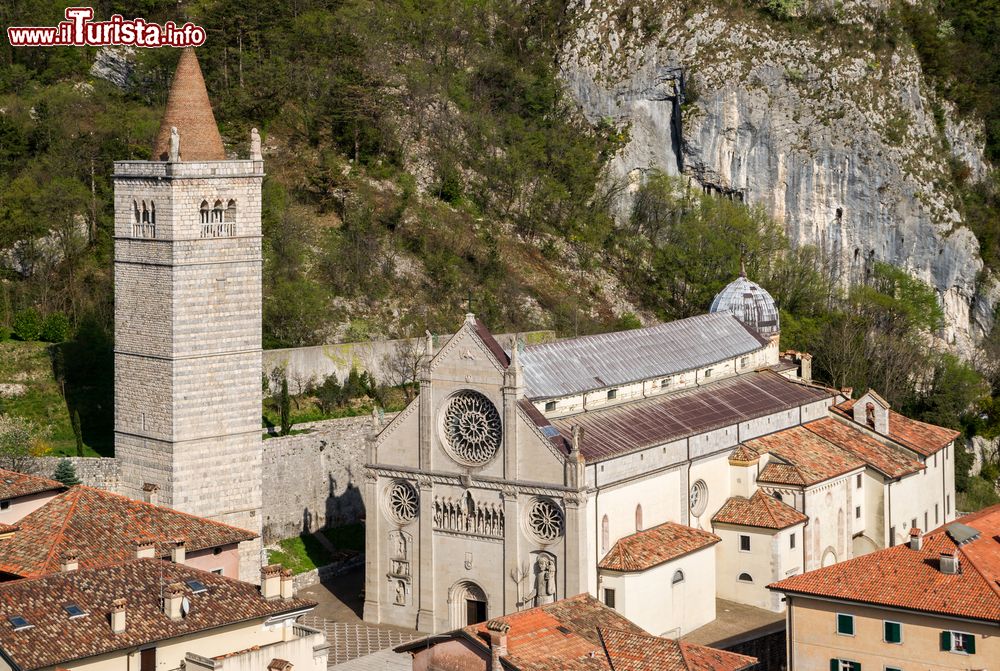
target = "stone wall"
x: 313, y: 479
x: 302, y: 364
x: 103, y: 473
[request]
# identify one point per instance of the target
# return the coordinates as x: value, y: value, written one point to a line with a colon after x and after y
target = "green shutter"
x: 970, y: 644
x: 845, y: 624
x: 834, y: 665
x: 946, y: 640
x: 893, y: 632
x: 857, y: 666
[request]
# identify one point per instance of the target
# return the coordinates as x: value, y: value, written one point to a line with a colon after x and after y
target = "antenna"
x: 185, y: 606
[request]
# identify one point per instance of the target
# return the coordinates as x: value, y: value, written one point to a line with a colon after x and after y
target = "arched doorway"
x: 829, y: 557
x: 468, y: 604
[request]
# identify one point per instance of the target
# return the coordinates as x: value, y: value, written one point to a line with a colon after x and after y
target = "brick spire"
x: 189, y: 110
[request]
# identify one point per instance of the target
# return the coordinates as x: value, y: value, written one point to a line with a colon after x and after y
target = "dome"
x: 750, y: 303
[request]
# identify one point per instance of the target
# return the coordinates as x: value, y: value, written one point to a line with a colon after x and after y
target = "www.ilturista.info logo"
x: 79, y: 30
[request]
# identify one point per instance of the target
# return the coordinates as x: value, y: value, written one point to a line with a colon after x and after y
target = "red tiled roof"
x: 102, y: 528
x: 743, y: 454
x: 899, y: 577
x: 814, y: 459
x: 631, y: 652
x: 760, y: 510
x: 923, y: 438
x: 54, y: 639
x: 893, y: 462
x: 582, y: 634
x: 651, y: 547
x: 13, y: 484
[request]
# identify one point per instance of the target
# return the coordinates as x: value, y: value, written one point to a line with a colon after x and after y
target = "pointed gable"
x: 190, y: 112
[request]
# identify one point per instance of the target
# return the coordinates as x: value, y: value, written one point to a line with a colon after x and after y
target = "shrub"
x: 5, y: 333
x: 27, y: 324
x: 55, y: 328
x: 66, y: 473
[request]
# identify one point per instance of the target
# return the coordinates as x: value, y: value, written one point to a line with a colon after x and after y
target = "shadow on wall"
x: 346, y: 507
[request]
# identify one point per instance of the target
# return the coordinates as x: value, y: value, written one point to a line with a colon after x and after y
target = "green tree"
x: 77, y: 432
x: 19, y: 444
x: 28, y: 325
x: 66, y: 473
x: 285, y: 408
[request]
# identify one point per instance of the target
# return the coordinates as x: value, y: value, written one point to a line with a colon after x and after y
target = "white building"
x: 586, y: 465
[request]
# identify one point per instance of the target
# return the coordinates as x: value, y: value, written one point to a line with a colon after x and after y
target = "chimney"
x: 177, y: 553
x: 118, y: 616
x: 287, y: 584
x: 950, y: 564
x: 916, y: 538
x: 145, y: 548
x: 270, y: 581
x: 149, y: 491
x: 497, y: 631
x: 69, y: 561
x: 172, y: 601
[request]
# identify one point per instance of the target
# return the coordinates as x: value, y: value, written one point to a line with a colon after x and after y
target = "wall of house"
x: 919, y: 496
x: 25, y: 505
x: 300, y: 651
x: 656, y: 493
x: 830, y: 506
x: 211, y: 643
x: 813, y: 639
x: 651, y: 600
x: 227, y: 561
x: 758, y: 563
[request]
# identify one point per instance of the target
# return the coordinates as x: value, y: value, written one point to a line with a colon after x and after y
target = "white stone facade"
x: 188, y: 338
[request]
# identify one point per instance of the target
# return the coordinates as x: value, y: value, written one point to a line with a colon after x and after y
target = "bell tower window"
x: 143, y: 219
x: 219, y: 221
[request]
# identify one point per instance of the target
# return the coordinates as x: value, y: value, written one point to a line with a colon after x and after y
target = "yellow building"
x: 930, y: 604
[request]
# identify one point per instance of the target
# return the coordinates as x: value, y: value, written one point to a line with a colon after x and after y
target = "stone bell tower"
x: 188, y: 318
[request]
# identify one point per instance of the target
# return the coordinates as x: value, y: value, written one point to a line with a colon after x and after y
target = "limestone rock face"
x: 115, y: 65
x: 836, y: 138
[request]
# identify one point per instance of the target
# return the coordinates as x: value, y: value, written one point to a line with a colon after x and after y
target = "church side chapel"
x: 656, y: 469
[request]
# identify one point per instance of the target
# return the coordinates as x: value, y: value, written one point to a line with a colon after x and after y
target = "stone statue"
x: 870, y: 414
x: 255, y: 153
x: 175, y: 144
x: 401, y: 546
x: 400, y: 593
x: 545, y: 581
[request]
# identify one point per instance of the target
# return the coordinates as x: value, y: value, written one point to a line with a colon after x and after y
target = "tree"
x: 66, y: 473
x: 285, y: 407
x: 77, y: 432
x: 20, y: 444
x: 402, y: 366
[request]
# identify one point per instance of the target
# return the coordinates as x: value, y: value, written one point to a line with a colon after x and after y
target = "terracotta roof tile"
x: 189, y: 110
x: 55, y: 639
x: 760, y: 510
x: 890, y: 461
x: 13, y: 484
x: 102, y: 528
x: 899, y: 577
x: 743, y: 454
x: 923, y: 438
x: 631, y: 652
x: 651, y: 547
x: 814, y: 459
x: 582, y: 634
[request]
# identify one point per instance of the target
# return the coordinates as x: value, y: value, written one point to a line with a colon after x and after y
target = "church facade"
x: 655, y: 469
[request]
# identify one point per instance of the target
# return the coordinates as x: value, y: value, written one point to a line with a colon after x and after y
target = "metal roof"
x: 576, y: 365
x: 655, y: 421
x: 749, y: 302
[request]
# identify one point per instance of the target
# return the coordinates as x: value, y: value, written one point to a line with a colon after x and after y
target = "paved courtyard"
x: 338, y: 613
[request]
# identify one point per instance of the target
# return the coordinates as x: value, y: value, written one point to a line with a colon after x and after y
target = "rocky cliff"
x: 829, y: 123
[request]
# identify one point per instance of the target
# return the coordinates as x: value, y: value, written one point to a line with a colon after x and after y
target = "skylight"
x: 18, y: 622
x: 197, y: 586
x: 74, y: 611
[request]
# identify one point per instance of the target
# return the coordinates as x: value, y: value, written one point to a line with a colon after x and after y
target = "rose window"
x: 699, y: 498
x: 403, y: 502
x: 545, y: 520
x: 472, y: 427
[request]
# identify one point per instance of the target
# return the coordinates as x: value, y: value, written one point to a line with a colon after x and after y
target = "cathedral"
x: 656, y: 469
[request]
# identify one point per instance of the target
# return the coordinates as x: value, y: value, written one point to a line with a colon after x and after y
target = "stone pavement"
x: 338, y: 613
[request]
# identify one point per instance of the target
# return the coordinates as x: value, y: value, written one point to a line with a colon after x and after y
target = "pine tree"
x: 285, y: 408
x: 77, y: 432
x: 66, y: 473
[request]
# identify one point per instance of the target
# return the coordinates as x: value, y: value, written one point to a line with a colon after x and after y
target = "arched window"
x: 678, y: 577
x: 145, y: 213
x: 605, y: 535
x: 217, y: 212
x: 135, y: 210
x: 231, y: 211
x: 204, y: 211
x: 638, y: 517
x: 745, y: 577
x: 152, y: 212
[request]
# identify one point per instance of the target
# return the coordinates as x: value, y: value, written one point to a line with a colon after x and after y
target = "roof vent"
x: 950, y: 564
x: 916, y: 538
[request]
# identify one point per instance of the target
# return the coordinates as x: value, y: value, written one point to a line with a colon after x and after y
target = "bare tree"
x: 18, y: 444
x: 402, y: 366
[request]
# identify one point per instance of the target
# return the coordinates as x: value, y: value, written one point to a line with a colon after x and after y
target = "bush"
x: 5, y: 333
x: 55, y: 328
x: 66, y: 473
x: 27, y: 325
